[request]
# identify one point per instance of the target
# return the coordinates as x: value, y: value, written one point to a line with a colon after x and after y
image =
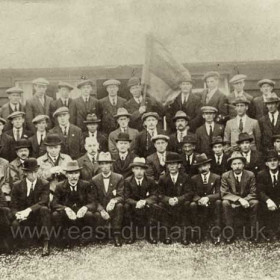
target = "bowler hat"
x: 52, y: 140
x: 91, y: 118
x: 30, y: 164
x: 211, y: 74
x: 271, y: 154
x: 181, y: 115
x: 72, y: 166
x: 172, y: 157
x: 60, y: 111
x: 237, y: 78
x: 133, y: 81
x: 22, y: 143
x: 123, y: 137
x: 111, y: 82
x: 266, y: 81
x: 217, y: 140
x: 138, y: 161
x: 150, y: 114
x: 122, y: 112
x: 244, y: 136
x: 104, y: 157
x: 84, y: 82
x: 14, y: 90
x: 236, y: 155
x: 15, y: 115
x: 64, y: 84
x: 201, y: 159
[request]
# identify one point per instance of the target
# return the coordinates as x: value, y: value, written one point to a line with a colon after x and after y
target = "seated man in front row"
x: 238, y: 190
x: 29, y: 202
x: 140, y: 196
x: 74, y: 202
x: 175, y: 194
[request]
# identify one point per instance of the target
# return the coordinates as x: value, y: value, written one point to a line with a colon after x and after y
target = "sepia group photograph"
x: 139, y: 139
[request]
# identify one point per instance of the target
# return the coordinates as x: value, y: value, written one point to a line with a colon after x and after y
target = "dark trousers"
x: 203, y: 216
x: 271, y: 219
x: 5, y: 217
x: 39, y: 218
x: 251, y: 211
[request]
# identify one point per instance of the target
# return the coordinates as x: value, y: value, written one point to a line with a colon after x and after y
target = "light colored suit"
x: 251, y: 126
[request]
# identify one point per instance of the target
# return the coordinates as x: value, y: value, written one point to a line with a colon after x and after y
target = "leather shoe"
x: 117, y: 241
x: 167, y: 241
x: 46, y: 249
x: 216, y: 241
x: 185, y: 242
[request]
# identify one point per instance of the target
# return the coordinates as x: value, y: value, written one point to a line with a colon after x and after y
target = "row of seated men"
x: 57, y: 196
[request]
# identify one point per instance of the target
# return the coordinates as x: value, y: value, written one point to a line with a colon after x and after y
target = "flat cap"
x: 150, y: 114
x: 59, y: 111
x: 15, y: 115
x: 111, y: 82
x: 84, y: 82
x: 266, y: 81
x: 3, y: 121
x: 241, y: 99
x: 40, y: 81
x: 14, y: 90
x: 133, y: 81
x: 40, y: 118
x: 237, y: 78
x: 209, y: 109
x: 64, y: 84
x: 160, y: 137
x: 181, y: 115
x: 211, y: 74
x: 190, y: 139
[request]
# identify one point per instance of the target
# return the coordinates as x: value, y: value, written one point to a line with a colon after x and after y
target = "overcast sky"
x: 99, y: 32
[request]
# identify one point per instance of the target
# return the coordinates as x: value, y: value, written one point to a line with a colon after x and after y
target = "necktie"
x: 31, y: 189
x: 237, y: 184
x: 218, y: 160
x: 16, y: 107
x: 138, y: 100
x: 173, y: 180
x: 204, y: 179
x: 114, y: 102
x: 241, y: 125
x: 65, y: 103
x: 73, y: 188
x: 152, y: 133
x: 65, y: 131
x: 42, y: 100
x: 274, y: 180
x: 181, y: 137
x: 18, y: 134
x: 139, y: 183
x: 207, y: 97
x: 41, y: 139
x: 246, y: 155
x: 189, y: 160
x: 162, y: 160
x: 272, y: 119
x: 210, y: 132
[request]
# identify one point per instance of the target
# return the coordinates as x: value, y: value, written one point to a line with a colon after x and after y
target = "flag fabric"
x: 161, y: 72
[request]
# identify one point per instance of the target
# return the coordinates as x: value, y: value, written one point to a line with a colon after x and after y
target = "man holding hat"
x: 140, y: 198
x: 207, y: 202
x: 181, y: 120
x: 29, y: 203
x: 64, y: 90
x: 175, y: 195
x: 189, y: 154
x: 210, y: 129
x: 268, y: 184
x: 39, y: 103
x: 14, y: 104
x: 83, y: 105
x: 53, y: 162
x: 92, y: 131
x: 242, y: 123
x: 122, y: 117
x: 270, y: 122
x: 238, y: 84
x: 70, y: 135
x: 74, y: 201
x: 37, y: 140
x: 238, y: 191
x: 156, y: 161
x: 6, y: 143
x: 219, y: 158
x: 266, y: 87
x: 109, y: 106
x: 22, y: 149
x: 109, y: 189
x: 187, y: 102
x: 212, y: 96
x: 143, y: 141
x: 124, y: 156
x: 137, y: 105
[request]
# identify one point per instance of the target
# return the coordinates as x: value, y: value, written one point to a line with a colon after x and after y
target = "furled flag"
x: 161, y: 73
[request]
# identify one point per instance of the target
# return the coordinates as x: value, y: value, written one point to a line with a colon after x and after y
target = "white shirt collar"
x: 115, y: 99
x: 106, y: 176
x: 123, y: 155
x: 273, y: 174
x: 220, y: 157
x: 85, y: 98
x: 184, y: 97
x: 16, y: 129
x: 139, y: 180
x: 238, y: 176
x: 207, y: 176
x: 63, y: 127
x: 238, y: 94
x: 92, y: 157
x: 174, y: 177
x: 138, y: 99
x: 29, y: 184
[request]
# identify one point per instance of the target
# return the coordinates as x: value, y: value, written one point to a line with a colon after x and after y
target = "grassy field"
x: 144, y: 261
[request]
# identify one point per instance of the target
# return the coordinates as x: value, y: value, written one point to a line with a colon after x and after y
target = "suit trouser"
x: 201, y: 215
x: 5, y: 217
x: 271, y: 219
x: 40, y: 217
x: 251, y: 211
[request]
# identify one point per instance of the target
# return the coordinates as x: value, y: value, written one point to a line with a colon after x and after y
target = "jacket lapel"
x: 233, y: 181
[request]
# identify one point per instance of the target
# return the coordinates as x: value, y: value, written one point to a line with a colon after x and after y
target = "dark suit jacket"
x: 256, y: 162
x: 90, y: 169
x: 62, y: 193
x: 186, y: 167
x: 34, y: 108
x: 7, y: 150
x: 16, y: 172
x: 5, y: 111
x: 191, y: 108
x: 211, y: 190
x: 247, y: 186
x: 55, y: 104
x: 174, y: 145
x: 20, y: 201
x: 268, y: 131
x: 133, y: 108
x: 218, y: 100
x: 133, y: 193
x: 144, y: 145
x: 79, y: 111
x: 115, y: 190
x: 182, y: 189
x: 102, y: 139
x: 221, y: 168
x: 203, y: 139
x: 25, y: 134
x: 36, y: 149
x: 123, y: 167
x: 266, y: 189
x: 107, y: 112
x: 73, y: 144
